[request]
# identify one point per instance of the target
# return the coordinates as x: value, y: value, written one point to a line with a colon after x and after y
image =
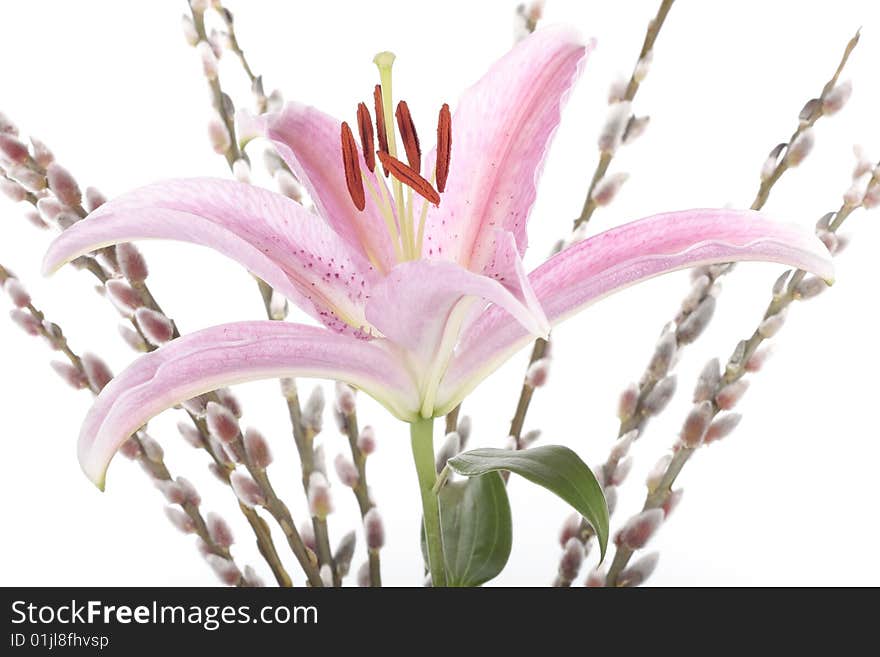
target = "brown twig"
x: 632, y: 88
x: 153, y: 463
x: 605, y: 159
x: 361, y: 489
x: 93, y: 264
x: 656, y: 385
x: 720, y: 397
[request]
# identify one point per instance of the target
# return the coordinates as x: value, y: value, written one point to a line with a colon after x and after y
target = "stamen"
x: 380, y: 198
x: 381, y: 133
x: 365, y: 127
x: 408, y: 177
x: 409, y: 136
x: 352, y: 169
x: 444, y: 146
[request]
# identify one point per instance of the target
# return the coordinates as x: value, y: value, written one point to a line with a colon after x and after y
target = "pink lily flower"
x: 418, y: 283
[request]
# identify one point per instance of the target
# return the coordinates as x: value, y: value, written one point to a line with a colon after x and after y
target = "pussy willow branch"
x: 218, y: 98
x: 606, y: 156
x: 734, y: 371
x: 154, y: 464
x: 632, y: 89
x: 225, y: 108
x: 697, y: 310
x: 361, y: 489
x: 275, y: 507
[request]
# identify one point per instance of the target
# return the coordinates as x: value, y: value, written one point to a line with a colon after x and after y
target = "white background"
x: 790, y: 498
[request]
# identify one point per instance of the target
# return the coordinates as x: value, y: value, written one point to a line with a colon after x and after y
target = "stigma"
x: 405, y: 208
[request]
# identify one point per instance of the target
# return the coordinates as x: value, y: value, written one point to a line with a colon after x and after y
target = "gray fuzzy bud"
x: 257, y: 449
x: 122, y: 296
x: 346, y: 471
x: 622, y: 446
x: 538, y: 373
x: 572, y: 558
x: 664, y: 353
x: 639, y: 570
x: 374, y: 529
x: 363, y: 575
x: 246, y: 489
x: 464, y: 429
x: 63, y: 185
x: 313, y: 411
x: 770, y: 326
x: 252, y: 578
x: 344, y: 552
x: 71, y: 375
x: 810, y: 287
x: 571, y: 528
x: 610, y: 498
x: 222, y: 424
x: 97, y: 371
x: 219, y: 530
x: 699, y: 289
x: 722, y: 427
x: 620, y: 472
x: 660, y: 396
x: 696, y: 322
x: 152, y: 449
x: 639, y: 529
x: 320, y: 501
x: 779, y: 285
x: 655, y: 476
x: 696, y: 424
x: 225, y: 569
x: 800, y: 148
x: 607, y: 188
x: 94, y: 199
x: 155, y: 326
x: 628, y: 402
x: 451, y: 446
x: 835, y: 99
x: 729, y: 395
x: 366, y: 441
x: 131, y: 262
x: 180, y: 520
x: 707, y: 381
x: 17, y: 292
x: 612, y: 131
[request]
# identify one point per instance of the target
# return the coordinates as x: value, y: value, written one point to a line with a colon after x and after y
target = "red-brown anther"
x: 409, y: 177
x: 409, y: 136
x: 365, y: 127
x: 444, y: 146
x: 352, y: 168
x: 380, y: 121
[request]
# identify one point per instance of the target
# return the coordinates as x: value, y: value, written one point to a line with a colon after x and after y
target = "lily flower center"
x: 405, y: 209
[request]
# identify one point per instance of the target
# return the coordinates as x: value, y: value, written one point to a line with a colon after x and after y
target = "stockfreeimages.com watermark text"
x: 209, y: 617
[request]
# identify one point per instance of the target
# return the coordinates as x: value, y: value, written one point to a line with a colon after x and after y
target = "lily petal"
x: 422, y: 305
x: 309, y: 142
x: 623, y: 256
x: 229, y: 354
x: 500, y: 133
x: 274, y: 237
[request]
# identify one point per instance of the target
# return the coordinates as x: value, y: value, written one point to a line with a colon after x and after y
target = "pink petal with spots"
x: 309, y: 141
x: 422, y: 305
x: 229, y: 354
x: 274, y: 237
x: 501, y: 131
x: 623, y: 256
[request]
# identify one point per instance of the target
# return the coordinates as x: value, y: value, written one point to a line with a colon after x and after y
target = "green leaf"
x: 476, y: 527
x: 556, y: 468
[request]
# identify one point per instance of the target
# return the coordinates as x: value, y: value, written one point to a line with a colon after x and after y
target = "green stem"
x: 422, y: 433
